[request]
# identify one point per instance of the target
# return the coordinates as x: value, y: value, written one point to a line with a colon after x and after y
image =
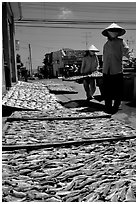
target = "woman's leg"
x: 87, y: 88
x: 107, y: 92
x: 92, y: 86
x: 118, y: 90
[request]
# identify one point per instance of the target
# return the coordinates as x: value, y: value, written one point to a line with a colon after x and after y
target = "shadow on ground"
x: 131, y: 104
x: 8, y: 110
x: 89, y: 106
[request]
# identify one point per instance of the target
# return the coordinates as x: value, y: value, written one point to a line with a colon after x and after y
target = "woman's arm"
x: 82, y: 66
x: 126, y: 51
x: 97, y: 63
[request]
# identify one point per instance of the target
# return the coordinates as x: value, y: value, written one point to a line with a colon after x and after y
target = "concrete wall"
x: 3, y: 77
x: 9, y: 69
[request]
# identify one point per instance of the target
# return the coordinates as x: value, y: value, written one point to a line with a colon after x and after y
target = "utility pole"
x: 30, y: 60
x: 86, y: 41
x: 87, y: 36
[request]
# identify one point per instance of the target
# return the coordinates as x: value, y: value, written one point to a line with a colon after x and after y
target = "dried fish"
x: 53, y: 199
x: 69, y: 186
x: 51, y: 182
x: 73, y: 198
x: 23, y: 186
x: 23, y: 166
x: 10, y: 198
x: 89, y: 197
x: 62, y: 193
x: 122, y: 193
x: 114, y: 198
x: 95, y: 198
x: 110, y: 196
x: 84, y: 183
x: 10, y: 183
x: 92, y: 173
x: 41, y: 196
x: 31, y: 194
x: 25, y: 171
x: 17, y: 194
x: 130, y: 197
x: 6, y: 189
x: 106, y: 190
x: 24, y: 178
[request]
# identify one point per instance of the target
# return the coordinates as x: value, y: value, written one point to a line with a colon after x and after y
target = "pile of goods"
x: 56, y: 131
x: 95, y: 74
x: 83, y: 170
x: 30, y: 96
x: 60, y: 89
x: 104, y: 172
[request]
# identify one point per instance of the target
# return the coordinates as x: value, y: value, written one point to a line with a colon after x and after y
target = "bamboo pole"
x: 30, y: 147
x: 10, y: 119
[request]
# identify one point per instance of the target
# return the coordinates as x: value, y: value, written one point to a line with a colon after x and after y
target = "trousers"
x: 89, y: 86
x: 113, y: 89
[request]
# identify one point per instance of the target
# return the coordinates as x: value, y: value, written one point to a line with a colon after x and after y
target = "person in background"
x: 113, y: 51
x: 90, y: 64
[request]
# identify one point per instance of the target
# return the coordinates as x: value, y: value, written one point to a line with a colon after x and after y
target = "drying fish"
x: 69, y: 186
x: 10, y: 198
x: 122, y: 193
x: 31, y: 194
x: 106, y: 190
x: 84, y: 183
x: 25, y: 171
x: 51, y: 132
x: 22, y: 186
x: 89, y: 197
x: 114, y: 198
x: 110, y: 196
x: 41, y: 196
x: 92, y: 172
x: 51, y: 182
x: 94, y: 197
x: 23, y: 166
x: 37, y: 174
x: 23, y: 177
x: 130, y: 197
x: 62, y: 193
x: 53, y: 199
x: 10, y: 183
x: 17, y: 194
x: 72, y: 198
x: 5, y: 190
x: 121, y: 183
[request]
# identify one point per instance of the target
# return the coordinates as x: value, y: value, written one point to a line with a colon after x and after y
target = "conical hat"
x: 93, y: 48
x: 114, y: 27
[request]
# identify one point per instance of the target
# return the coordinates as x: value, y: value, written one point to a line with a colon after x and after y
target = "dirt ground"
x: 127, y: 112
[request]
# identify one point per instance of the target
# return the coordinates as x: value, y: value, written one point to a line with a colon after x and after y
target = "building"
x: 67, y: 62
x: 10, y: 12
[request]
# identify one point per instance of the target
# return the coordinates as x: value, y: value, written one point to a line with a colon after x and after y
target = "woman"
x: 113, y: 51
x: 89, y: 64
